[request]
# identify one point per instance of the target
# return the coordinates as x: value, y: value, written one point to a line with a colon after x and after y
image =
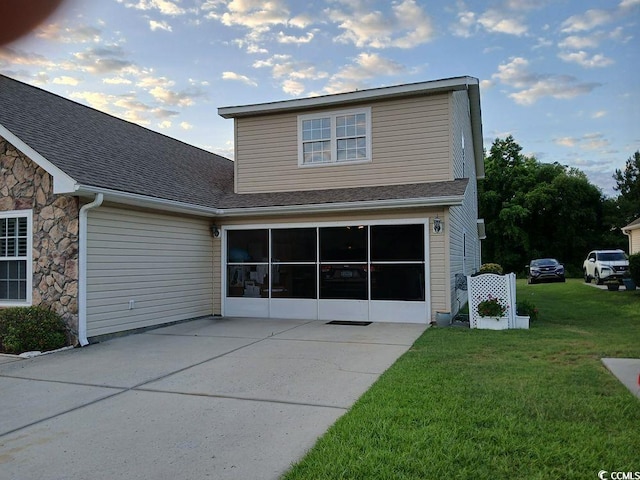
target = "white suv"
x: 603, y: 264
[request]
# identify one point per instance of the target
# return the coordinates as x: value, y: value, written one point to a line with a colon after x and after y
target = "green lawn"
x: 477, y: 404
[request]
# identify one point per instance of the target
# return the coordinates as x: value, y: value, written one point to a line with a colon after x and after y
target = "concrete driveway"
x: 211, y: 398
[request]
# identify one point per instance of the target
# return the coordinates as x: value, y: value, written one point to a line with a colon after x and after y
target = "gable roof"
x: 88, y: 151
x: 98, y: 150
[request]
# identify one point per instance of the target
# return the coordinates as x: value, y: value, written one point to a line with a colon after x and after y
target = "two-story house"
x: 357, y: 206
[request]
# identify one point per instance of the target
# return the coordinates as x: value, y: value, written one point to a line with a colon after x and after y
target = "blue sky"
x: 561, y: 76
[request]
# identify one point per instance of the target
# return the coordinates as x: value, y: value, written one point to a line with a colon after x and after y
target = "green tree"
x: 628, y: 184
x: 534, y: 209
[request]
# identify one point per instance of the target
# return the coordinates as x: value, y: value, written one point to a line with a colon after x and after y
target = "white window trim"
x: 332, y: 115
x: 29, y: 257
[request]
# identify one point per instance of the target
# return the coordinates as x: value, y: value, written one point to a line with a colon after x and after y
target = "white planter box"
x: 522, y: 322
x: 493, y: 323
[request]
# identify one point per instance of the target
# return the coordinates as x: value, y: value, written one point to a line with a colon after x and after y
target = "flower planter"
x: 493, y: 323
x: 613, y: 287
x: 629, y: 284
x: 521, y: 321
x: 443, y: 319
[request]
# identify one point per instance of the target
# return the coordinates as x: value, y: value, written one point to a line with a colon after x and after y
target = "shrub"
x: 491, y: 268
x: 634, y: 267
x: 24, y: 329
x: 526, y: 308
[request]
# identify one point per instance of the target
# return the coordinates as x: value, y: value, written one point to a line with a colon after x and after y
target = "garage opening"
x: 354, y: 272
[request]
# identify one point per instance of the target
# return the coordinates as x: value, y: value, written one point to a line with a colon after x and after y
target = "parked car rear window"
x: 611, y: 256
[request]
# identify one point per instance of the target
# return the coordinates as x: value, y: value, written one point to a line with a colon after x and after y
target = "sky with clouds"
x: 561, y: 76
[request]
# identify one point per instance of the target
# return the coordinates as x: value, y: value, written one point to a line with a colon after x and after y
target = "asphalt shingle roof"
x: 99, y: 150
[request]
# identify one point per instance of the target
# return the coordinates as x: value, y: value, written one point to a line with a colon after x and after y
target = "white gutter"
x: 174, y: 206
x: 344, y: 206
x: 82, y: 270
x: 145, y: 200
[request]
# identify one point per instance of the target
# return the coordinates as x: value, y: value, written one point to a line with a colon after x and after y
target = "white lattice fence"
x: 502, y: 287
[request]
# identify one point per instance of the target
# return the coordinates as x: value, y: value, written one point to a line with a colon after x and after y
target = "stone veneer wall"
x: 23, y: 186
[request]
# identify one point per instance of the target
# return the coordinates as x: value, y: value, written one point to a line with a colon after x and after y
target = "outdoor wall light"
x: 215, y: 231
x: 437, y: 225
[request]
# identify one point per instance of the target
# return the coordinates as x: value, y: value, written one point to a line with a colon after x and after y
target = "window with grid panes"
x: 14, y: 257
x: 334, y: 137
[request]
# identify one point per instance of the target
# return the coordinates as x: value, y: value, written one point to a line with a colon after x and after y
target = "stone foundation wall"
x: 23, y: 186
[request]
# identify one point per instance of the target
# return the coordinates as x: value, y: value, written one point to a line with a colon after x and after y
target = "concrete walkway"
x: 211, y: 398
x: 627, y: 370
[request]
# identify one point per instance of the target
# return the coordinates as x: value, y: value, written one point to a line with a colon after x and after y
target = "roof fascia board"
x: 448, y: 201
x: 62, y: 183
x: 144, y: 201
x: 435, y: 86
x: 476, y: 128
x: 180, y: 207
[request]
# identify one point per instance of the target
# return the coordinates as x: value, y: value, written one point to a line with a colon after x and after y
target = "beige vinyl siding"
x: 460, y: 128
x: 634, y: 241
x: 163, y: 263
x: 217, y: 276
x: 410, y: 144
x: 439, y: 283
x: 463, y: 230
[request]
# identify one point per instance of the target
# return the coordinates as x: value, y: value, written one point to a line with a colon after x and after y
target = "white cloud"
x: 102, y: 59
x: 186, y: 126
x: 292, y: 72
x: 159, y: 26
x: 77, y: 34
x: 65, y: 80
x: 240, y: 78
x: 531, y: 87
x: 117, y: 81
x: 163, y: 6
x: 293, y: 87
x: 165, y: 124
x: 466, y: 25
x: 406, y: 26
x: 599, y: 114
x: 589, y: 142
x: 253, y: 14
x: 282, y: 38
x: 354, y: 76
x: 586, y: 21
x: 579, y: 42
x: 583, y: 59
x: 500, y: 21
x: 10, y: 56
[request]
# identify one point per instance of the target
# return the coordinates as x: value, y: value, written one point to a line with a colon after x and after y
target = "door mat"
x: 348, y: 322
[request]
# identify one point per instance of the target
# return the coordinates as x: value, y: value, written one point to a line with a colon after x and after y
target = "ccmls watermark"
x: 604, y: 475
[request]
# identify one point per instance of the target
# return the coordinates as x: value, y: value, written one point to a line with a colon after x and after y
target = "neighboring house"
x: 633, y: 232
x: 355, y: 206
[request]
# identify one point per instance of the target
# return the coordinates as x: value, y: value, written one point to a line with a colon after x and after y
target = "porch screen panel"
x: 248, y: 263
x: 293, y: 267
x: 397, y: 262
x: 343, y: 263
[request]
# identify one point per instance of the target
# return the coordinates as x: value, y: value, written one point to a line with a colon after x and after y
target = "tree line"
x: 537, y: 210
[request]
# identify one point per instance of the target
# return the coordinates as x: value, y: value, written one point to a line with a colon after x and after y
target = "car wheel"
x: 597, y: 277
x: 563, y: 280
x: 587, y: 278
x: 529, y: 280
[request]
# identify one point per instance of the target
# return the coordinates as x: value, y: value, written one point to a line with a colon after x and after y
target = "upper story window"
x: 15, y: 257
x: 334, y: 137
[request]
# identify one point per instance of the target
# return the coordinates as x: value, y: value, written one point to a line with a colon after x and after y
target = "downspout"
x: 82, y: 271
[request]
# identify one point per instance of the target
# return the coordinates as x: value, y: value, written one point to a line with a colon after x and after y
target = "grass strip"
x: 534, y: 404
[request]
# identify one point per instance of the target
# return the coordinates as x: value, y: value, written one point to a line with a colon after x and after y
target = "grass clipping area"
x: 479, y: 404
